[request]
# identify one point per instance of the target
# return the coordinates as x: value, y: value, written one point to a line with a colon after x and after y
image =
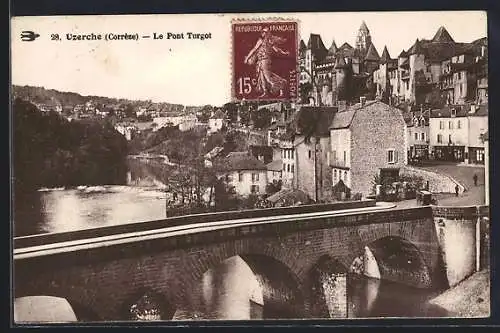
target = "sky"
x: 187, y: 71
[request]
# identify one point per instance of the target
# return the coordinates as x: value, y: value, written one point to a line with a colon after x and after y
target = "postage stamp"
x: 265, y: 60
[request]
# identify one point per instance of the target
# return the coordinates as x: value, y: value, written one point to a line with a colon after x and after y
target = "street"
x: 473, y: 195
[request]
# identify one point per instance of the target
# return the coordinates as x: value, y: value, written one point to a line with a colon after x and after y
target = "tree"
x: 130, y: 111
x: 231, y: 110
x: 261, y: 118
x: 205, y: 114
x: 273, y: 187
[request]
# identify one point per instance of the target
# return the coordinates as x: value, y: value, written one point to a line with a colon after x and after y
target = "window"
x: 334, y: 154
x: 416, y: 136
x: 292, y: 153
x: 345, y: 156
x: 288, y: 153
x: 284, y: 166
x: 439, y: 138
x: 460, y: 76
x: 453, y: 112
x: 288, y: 168
x: 479, y: 155
x: 449, y: 138
x: 345, y: 176
x: 240, y: 176
x: 254, y: 188
x: 391, y: 156
x: 422, y: 136
x: 441, y: 124
x: 335, y: 176
x: 292, y: 168
x: 310, y: 154
x: 255, y: 177
x: 459, y: 125
x: 450, y: 125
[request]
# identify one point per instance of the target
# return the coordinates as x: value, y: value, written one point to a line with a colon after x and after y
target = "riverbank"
x: 470, y: 298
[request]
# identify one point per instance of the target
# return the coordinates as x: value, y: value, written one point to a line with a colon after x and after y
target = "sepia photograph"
x: 207, y: 167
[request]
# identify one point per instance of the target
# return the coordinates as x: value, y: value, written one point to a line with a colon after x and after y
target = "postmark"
x: 264, y: 60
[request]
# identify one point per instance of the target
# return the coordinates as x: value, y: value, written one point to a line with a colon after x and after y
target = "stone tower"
x: 363, y: 39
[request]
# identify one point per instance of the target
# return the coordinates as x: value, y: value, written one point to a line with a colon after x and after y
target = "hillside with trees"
x: 50, y: 151
x: 52, y: 96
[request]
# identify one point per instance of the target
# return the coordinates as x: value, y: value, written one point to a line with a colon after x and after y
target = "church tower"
x: 363, y: 39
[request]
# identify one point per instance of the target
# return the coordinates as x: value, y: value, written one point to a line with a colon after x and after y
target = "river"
x: 231, y: 290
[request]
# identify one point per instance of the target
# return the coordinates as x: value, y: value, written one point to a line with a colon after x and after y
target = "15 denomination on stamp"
x: 265, y: 60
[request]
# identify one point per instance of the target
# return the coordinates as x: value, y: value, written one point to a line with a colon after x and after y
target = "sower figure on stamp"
x: 261, y: 54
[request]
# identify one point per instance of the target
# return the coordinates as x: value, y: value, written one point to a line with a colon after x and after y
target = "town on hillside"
x: 367, y: 125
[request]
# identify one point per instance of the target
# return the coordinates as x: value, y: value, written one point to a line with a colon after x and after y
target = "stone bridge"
x: 299, y: 256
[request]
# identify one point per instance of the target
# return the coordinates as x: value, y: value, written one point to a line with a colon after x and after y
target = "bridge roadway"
x: 171, y: 231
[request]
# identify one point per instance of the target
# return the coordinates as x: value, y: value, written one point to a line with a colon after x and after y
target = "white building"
x: 188, y: 123
x: 216, y: 122
x: 174, y: 119
x: 454, y: 133
x: 244, y: 172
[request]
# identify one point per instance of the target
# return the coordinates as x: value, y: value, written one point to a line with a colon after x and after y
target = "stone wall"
x: 438, y: 183
x: 369, y: 152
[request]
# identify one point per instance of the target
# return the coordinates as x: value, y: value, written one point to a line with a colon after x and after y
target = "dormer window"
x: 453, y: 112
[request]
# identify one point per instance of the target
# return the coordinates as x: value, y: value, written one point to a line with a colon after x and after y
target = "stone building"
x: 364, y: 139
x: 337, y: 73
x: 453, y: 70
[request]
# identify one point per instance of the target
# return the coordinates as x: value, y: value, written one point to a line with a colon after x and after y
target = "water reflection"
x: 59, y: 210
x: 232, y: 292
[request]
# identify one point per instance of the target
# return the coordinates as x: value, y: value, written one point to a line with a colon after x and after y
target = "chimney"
x: 362, y: 100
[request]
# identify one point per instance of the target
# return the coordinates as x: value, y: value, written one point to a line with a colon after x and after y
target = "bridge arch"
x: 393, y: 258
x: 272, y: 287
x: 52, y: 308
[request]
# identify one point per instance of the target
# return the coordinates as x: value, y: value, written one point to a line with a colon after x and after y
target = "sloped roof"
x: 236, y: 161
x: 385, y: 58
x: 314, y: 120
x: 289, y: 197
x: 333, y: 48
x: 364, y: 27
x: 315, y: 44
x: 403, y: 54
x: 275, y: 165
x: 302, y: 45
x: 372, y: 54
x: 344, y: 119
x: 445, y: 111
x: 416, y: 48
x: 442, y: 36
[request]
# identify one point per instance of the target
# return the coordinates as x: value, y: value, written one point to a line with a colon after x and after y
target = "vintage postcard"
x: 256, y: 166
